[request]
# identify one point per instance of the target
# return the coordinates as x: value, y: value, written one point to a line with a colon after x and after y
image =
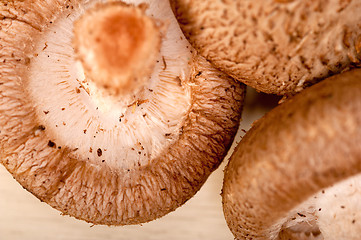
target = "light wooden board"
x: 24, y: 217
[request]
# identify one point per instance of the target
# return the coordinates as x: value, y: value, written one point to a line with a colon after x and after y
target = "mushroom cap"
x: 98, y: 157
x: 276, y: 47
x: 302, y: 146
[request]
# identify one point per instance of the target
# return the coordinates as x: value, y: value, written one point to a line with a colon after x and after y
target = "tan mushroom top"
x: 298, y: 149
x: 274, y: 46
x: 85, y: 146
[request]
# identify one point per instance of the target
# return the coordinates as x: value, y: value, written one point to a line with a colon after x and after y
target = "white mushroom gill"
x: 333, y: 213
x: 101, y: 127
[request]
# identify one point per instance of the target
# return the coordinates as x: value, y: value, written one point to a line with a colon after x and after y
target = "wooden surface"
x: 24, y: 217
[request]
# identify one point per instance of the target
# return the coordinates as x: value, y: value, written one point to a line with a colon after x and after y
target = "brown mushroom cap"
x: 304, y: 145
x: 274, y: 46
x: 100, y: 157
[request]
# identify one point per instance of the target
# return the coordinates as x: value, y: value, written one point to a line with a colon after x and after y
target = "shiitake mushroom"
x: 106, y: 112
x: 296, y: 173
x: 275, y: 46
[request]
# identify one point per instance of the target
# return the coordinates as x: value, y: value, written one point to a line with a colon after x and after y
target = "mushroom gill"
x: 124, y: 148
x: 334, y: 213
x: 296, y: 173
x: 278, y: 47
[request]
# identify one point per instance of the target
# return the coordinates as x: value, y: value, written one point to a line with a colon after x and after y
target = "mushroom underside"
x: 95, y: 155
x: 333, y: 214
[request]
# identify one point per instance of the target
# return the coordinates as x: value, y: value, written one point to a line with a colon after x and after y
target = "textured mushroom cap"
x: 309, y: 142
x: 274, y: 46
x: 95, y: 157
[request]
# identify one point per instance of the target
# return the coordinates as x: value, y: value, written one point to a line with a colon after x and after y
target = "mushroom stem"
x: 118, y: 46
